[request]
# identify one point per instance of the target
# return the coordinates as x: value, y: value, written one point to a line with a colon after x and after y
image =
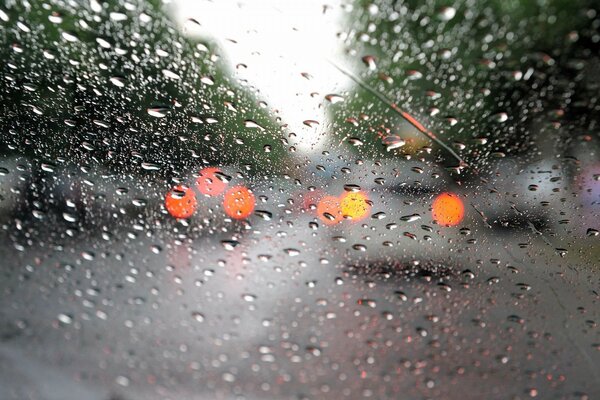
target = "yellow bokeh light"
x: 355, y: 205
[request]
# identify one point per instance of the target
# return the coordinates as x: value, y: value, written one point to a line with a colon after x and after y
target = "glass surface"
x: 299, y: 200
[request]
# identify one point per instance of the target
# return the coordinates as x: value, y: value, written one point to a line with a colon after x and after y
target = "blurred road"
x: 165, y: 317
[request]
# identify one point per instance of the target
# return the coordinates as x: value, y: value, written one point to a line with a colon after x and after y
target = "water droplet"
x: 207, y: 80
x: 117, y: 16
x: 369, y: 61
x: 122, y: 380
x: 334, y: 98
x: 198, y: 317
x: 352, y: 188
x: 393, y: 142
x: 413, y: 75
x: 367, y: 302
x: 170, y: 74
x: 266, y: 215
x: 118, y: 81
x: 69, y: 217
x: 158, y: 112
x: 65, y: 319
x: 501, y: 117
x: 47, y: 167
x: 253, y: 124
x: 355, y: 141
x: 147, y: 166
x: 229, y: 245
x: 249, y: 297
x: 69, y: 37
x: 292, y: 252
x: 410, y: 218
x: 139, y: 202
x: 359, y: 247
x: 446, y: 13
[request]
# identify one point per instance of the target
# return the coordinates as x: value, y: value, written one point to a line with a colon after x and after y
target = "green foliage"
x: 474, y: 74
x: 81, y: 88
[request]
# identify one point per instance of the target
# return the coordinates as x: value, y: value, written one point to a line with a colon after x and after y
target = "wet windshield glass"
x: 299, y: 200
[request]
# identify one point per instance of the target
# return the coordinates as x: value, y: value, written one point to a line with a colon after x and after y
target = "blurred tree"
x: 115, y: 84
x: 489, y: 78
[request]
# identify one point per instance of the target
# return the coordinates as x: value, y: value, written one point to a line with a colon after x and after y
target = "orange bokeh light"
x: 448, y: 209
x: 181, y: 202
x: 355, y: 205
x: 208, y: 183
x: 329, y: 211
x: 239, y: 202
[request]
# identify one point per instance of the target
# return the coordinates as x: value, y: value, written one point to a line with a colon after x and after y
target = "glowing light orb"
x: 355, y: 205
x: 239, y: 202
x: 181, y: 202
x: 208, y: 183
x: 448, y: 209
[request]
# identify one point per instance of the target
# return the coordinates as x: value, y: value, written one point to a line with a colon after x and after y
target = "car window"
x: 299, y: 200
